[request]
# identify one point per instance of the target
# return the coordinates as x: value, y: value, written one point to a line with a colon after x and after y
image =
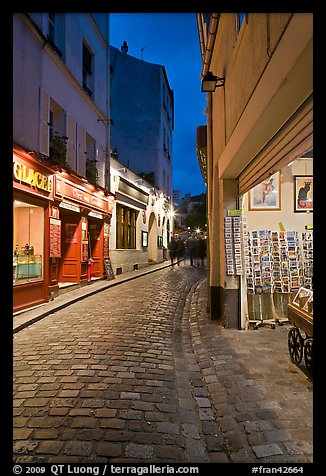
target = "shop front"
x: 279, y: 253
x: 61, y: 231
x: 269, y: 243
x: 83, y: 213
x: 33, y: 192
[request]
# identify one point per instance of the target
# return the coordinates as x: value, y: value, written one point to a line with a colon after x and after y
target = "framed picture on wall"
x: 266, y: 195
x: 144, y: 239
x: 303, y: 193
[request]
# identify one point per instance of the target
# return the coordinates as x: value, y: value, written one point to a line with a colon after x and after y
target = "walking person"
x: 173, y: 250
x: 191, y: 247
x: 180, y: 249
x: 200, y: 250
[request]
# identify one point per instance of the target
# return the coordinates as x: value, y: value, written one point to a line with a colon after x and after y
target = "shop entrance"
x: 95, y: 246
x: 70, y: 269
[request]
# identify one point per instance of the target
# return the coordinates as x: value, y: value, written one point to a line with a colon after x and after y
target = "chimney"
x: 124, y: 47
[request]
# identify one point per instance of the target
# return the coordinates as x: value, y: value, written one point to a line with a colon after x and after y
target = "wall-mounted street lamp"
x: 210, y: 82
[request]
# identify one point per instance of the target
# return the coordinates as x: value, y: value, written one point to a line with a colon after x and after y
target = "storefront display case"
x: 27, y: 267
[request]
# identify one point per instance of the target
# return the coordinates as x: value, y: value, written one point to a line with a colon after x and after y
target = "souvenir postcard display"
x: 307, y: 258
x: 236, y: 243
x: 274, y: 262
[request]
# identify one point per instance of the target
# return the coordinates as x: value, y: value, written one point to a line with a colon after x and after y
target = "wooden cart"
x: 300, y: 337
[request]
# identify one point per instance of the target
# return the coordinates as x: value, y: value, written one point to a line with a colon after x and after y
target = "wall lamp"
x: 210, y: 82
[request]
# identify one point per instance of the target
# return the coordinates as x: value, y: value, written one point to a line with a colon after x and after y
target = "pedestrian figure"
x: 180, y: 249
x: 173, y: 249
x: 200, y: 250
x: 191, y: 246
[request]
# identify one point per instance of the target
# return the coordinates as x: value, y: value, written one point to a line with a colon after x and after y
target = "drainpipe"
x: 200, y: 34
x: 210, y: 42
x: 107, y: 180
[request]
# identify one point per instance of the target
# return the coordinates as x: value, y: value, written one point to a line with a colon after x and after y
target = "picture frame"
x: 303, y: 188
x: 144, y: 239
x: 266, y: 195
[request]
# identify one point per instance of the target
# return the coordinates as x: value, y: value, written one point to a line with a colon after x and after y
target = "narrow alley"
x: 139, y: 373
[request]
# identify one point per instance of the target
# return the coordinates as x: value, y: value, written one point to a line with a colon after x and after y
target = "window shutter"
x: 44, y: 134
x: 71, y: 143
x: 81, y: 148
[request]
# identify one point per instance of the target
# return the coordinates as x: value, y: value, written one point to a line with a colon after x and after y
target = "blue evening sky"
x: 171, y: 39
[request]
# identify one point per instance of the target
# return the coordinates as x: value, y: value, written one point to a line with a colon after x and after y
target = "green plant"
x: 91, y: 171
x: 58, y: 150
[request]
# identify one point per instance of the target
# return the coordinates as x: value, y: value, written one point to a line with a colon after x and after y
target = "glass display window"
x: 28, y: 242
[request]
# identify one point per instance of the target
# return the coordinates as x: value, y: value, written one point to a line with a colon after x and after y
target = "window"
x: 164, y: 181
x: 28, y: 242
x: 240, y: 18
x: 164, y: 141
x: 55, y: 32
x: 126, y: 227
x: 87, y: 70
x: 52, y: 27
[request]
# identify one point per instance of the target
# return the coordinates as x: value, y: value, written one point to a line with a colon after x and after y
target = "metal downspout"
x: 210, y: 43
x: 107, y: 179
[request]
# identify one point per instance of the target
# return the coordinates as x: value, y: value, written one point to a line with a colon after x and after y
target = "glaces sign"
x: 32, y: 177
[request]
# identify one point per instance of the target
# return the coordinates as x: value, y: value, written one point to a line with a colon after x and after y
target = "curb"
x: 40, y: 314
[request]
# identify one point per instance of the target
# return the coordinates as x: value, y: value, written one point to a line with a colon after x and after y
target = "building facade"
x: 62, y: 204
x: 142, y: 118
x: 259, y: 121
x: 142, y: 221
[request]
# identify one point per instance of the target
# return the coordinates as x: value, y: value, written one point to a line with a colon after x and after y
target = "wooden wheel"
x: 307, y: 352
x: 295, y: 345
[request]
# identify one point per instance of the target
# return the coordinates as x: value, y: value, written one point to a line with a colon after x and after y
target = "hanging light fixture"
x: 210, y: 82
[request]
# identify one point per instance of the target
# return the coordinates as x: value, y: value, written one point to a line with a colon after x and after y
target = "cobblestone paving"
x: 138, y: 373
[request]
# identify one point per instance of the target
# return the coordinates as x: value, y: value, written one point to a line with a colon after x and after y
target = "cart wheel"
x: 295, y: 345
x: 307, y: 351
x: 273, y: 326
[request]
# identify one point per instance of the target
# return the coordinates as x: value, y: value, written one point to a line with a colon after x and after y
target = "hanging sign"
x: 55, y: 238
x: 234, y: 213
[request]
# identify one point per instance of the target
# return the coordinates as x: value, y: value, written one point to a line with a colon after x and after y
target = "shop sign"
x: 55, y: 238
x: 235, y: 213
x: 127, y: 189
x: 69, y: 206
x: 106, y: 242
x: 67, y: 190
x: 95, y: 215
x: 32, y: 177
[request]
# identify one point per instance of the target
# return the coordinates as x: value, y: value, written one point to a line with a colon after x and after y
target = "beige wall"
x: 260, y: 120
x: 269, y: 220
x: 265, y: 82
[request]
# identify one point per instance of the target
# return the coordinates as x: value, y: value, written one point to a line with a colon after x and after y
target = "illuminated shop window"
x: 126, y: 227
x: 28, y: 242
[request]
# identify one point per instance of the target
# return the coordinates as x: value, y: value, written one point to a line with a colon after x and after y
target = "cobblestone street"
x: 139, y: 373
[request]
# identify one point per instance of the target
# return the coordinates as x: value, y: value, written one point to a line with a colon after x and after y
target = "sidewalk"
x: 23, y: 319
